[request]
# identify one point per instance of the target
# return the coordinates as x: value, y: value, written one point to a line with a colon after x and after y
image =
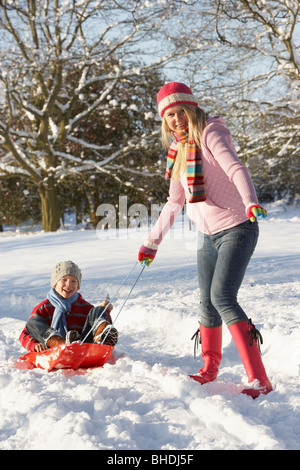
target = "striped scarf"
x: 194, y: 171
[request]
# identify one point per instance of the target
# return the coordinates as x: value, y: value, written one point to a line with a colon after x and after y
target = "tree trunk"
x: 50, y: 209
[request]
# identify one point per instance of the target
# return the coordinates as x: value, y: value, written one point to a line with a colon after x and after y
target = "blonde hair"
x: 197, y: 122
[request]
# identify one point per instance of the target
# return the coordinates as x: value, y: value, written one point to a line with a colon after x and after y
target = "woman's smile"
x: 176, y: 118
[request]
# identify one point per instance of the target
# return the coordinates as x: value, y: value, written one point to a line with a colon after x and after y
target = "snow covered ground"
x: 146, y: 399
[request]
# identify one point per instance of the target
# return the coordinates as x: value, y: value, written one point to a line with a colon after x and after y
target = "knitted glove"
x: 255, y: 211
x: 147, y: 253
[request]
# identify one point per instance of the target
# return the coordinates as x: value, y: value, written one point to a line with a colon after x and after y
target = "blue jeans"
x: 39, y: 329
x: 222, y: 261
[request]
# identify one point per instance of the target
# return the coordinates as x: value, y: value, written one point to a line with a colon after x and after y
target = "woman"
x: 205, y: 172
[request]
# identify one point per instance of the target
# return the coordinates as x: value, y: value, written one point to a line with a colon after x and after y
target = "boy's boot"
x: 55, y: 341
x: 211, y: 345
x: 72, y: 337
x: 246, y: 337
x: 101, y: 332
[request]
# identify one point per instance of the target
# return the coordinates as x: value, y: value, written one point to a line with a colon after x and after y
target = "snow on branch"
x: 6, y: 169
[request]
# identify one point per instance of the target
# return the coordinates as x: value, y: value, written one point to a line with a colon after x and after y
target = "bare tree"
x: 245, y: 65
x: 269, y: 33
x: 62, y: 63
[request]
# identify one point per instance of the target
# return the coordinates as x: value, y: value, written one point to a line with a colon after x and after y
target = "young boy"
x: 65, y: 317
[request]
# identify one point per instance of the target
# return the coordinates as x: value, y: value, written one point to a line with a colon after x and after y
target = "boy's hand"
x: 104, y: 303
x: 39, y: 347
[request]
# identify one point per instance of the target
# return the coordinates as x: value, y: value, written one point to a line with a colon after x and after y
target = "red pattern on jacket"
x: 75, y: 319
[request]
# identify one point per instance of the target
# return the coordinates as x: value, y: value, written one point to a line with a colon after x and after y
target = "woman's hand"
x: 147, y: 253
x: 255, y: 211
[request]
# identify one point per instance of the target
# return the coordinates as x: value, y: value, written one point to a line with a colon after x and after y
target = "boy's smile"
x: 67, y: 286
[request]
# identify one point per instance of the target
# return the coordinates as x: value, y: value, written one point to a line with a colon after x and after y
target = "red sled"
x: 70, y: 356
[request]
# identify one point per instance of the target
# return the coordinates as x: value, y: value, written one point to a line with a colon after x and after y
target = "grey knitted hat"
x: 65, y: 268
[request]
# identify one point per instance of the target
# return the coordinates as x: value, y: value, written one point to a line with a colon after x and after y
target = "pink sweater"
x: 228, y: 185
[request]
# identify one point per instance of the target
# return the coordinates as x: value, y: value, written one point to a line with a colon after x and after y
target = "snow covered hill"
x: 146, y: 399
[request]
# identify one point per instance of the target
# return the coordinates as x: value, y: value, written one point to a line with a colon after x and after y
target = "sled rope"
x: 112, y: 299
x: 128, y: 295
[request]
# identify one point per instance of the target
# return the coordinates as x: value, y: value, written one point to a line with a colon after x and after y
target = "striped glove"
x: 147, y: 253
x: 255, y: 211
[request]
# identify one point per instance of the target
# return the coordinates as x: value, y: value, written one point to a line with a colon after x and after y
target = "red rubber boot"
x: 211, y: 344
x: 245, y: 337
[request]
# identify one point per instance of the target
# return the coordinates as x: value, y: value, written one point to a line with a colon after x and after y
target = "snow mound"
x: 145, y: 400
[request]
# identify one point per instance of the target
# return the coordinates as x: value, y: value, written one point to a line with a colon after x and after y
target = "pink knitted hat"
x: 172, y: 94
